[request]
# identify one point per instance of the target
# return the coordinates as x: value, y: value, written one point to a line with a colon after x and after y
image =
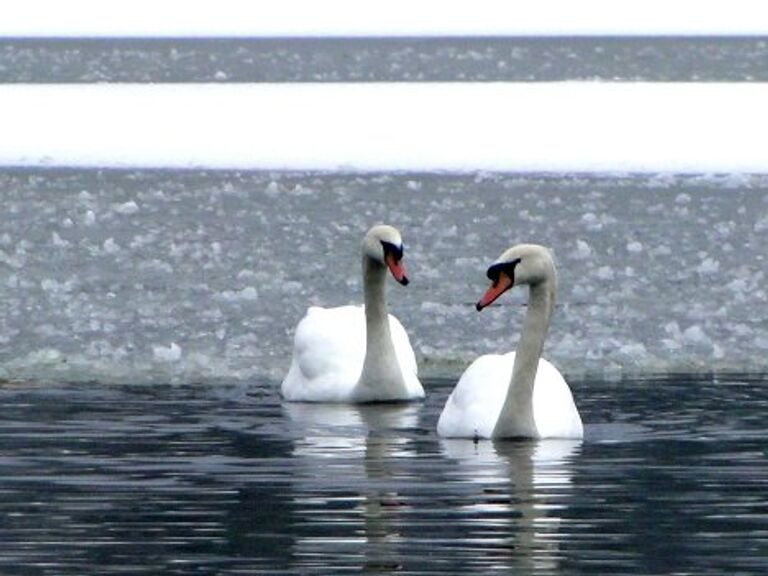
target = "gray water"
x: 396, y: 60
x: 157, y: 479
x: 192, y: 276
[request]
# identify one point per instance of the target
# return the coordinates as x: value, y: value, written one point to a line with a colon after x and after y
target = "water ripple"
x: 186, y: 480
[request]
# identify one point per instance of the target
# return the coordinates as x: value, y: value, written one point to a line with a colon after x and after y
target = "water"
x: 146, y: 320
x: 371, y: 59
x: 142, y: 276
x: 161, y: 479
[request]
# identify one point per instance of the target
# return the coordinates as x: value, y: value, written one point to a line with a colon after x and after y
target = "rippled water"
x: 671, y: 478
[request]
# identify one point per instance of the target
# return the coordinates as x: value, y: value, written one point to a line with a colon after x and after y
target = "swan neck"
x: 381, y: 377
x: 374, y: 285
x: 516, y: 418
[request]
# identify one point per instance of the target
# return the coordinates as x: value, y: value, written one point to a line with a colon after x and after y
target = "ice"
x: 695, y: 335
x: 249, y: 293
x: 708, y: 266
x: 127, y: 208
x: 110, y: 246
x: 634, y: 247
x: 605, y: 273
x: 170, y: 353
x: 292, y: 18
x: 583, y: 250
x: 272, y: 189
x: 762, y: 224
x: 58, y: 241
x: 432, y: 126
x: 206, y: 281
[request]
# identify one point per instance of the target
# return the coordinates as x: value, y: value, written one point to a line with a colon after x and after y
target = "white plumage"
x: 518, y: 394
x: 473, y: 408
x: 328, y: 354
x: 357, y: 353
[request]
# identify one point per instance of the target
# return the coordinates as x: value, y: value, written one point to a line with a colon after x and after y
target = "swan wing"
x: 406, y: 358
x: 554, y: 410
x: 328, y: 354
x: 473, y: 407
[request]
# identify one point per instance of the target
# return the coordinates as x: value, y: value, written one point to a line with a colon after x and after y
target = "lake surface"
x: 227, y: 479
x: 388, y: 60
x: 141, y: 276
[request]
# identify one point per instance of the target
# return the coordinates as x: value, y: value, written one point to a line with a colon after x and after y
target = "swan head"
x: 383, y: 244
x: 522, y: 264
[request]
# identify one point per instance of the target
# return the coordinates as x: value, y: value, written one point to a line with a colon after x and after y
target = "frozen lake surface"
x: 395, y: 126
x: 670, y: 479
x: 666, y: 59
x: 194, y: 276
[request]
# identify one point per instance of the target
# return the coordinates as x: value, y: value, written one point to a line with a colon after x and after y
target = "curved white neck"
x: 381, y: 378
x: 516, y: 417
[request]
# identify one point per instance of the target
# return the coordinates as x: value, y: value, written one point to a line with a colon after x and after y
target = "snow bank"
x: 563, y: 126
x: 142, y: 18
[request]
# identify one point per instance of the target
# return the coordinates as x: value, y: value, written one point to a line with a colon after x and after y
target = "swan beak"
x: 397, y: 269
x: 498, y: 288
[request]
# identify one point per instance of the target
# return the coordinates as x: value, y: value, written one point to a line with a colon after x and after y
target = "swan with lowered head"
x: 357, y: 353
x: 519, y: 394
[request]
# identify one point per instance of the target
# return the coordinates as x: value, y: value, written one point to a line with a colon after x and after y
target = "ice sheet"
x: 561, y: 126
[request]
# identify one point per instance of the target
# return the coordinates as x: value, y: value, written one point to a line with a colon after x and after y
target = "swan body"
x: 329, y: 351
x: 474, y: 406
x: 518, y: 394
x: 357, y: 353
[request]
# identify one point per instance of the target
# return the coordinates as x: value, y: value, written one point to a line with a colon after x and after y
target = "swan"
x: 519, y: 394
x: 357, y: 353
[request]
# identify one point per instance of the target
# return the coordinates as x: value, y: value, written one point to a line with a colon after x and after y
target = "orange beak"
x: 498, y: 288
x: 396, y: 268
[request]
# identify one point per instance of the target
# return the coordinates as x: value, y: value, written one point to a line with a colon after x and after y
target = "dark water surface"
x: 671, y: 478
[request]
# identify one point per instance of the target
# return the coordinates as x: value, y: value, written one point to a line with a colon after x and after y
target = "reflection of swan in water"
x: 518, y: 491
x: 346, y: 462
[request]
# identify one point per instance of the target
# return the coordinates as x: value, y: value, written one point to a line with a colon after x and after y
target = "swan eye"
x: 494, y: 272
x: 394, y: 249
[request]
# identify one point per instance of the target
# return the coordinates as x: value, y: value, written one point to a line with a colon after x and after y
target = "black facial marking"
x: 508, y: 268
x: 395, y: 250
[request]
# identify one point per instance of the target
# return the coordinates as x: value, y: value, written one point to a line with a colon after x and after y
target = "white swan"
x: 515, y: 395
x: 357, y: 353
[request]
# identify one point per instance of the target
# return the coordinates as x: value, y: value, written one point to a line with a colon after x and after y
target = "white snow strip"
x: 562, y: 126
x: 355, y: 18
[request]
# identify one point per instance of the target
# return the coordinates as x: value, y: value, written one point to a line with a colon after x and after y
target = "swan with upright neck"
x: 518, y: 394
x: 357, y: 353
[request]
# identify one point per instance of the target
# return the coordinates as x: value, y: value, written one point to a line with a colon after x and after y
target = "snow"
x: 291, y: 18
x: 559, y: 126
